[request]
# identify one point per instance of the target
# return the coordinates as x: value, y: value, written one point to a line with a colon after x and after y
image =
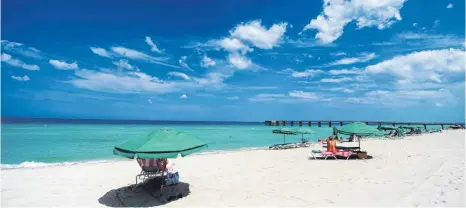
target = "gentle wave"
x: 33, y: 164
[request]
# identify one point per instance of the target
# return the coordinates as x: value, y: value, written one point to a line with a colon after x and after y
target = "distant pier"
x: 341, y: 123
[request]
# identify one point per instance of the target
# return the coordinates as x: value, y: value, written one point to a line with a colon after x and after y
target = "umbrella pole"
x: 359, y: 142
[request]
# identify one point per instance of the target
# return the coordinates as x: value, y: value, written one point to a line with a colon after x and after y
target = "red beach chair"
x: 149, y: 169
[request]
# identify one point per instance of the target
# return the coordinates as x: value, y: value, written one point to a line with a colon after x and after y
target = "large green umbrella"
x: 359, y: 129
x: 284, y: 131
x: 163, y: 143
x: 302, y: 131
x: 399, y: 131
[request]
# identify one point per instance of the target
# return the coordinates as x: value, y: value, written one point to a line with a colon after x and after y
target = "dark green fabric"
x: 303, y: 130
x: 387, y: 128
x: 359, y: 129
x: 160, y: 144
x: 297, y: 130
x: 284, y: 130
x: 412, y: 127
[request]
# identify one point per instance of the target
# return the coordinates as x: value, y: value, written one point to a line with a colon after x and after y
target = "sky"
x: 254, y: 60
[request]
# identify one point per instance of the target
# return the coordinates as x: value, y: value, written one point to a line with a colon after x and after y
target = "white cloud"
x: 294, y: 96
x: 232, y: 98
x: 183, y: 64
x: 303, y: 95
x: 256, y: 34
x: 63, y: 65
x: 345, y: 71
x: 179, y: 74
x: 214, y: 79
x: 184, y: 96
x: 436, y: 23
x: 338, y: 13
x: 364, y: 57
x: 134, y: 54
x: 149, y: 101
x: 423, y: 66
x: 152, y: 45
x: 338, y: 54
x: 339, y: 89
x: 123, y: 64
x: 137, y: 55
x: 207, y: 62
x: 415, y: 24
x: 131, y: 82
x: 239, y: 61
x: 306, y: 73
x: 21, y: 49
x: 233, y: 45
x: 266, y: 97
x: 21, y: 79
x: 411, y: 97
x: 18, y: 63
x: 101, y: 52
x: 449, y: 6
x: 336, y: 80
x: 409, y: 41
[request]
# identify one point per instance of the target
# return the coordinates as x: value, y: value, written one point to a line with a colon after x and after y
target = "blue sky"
x: 234, y: 60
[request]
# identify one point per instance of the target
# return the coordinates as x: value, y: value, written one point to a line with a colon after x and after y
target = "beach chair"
x: 149, y: 169
x: 323, y: 154
x: 345, y: 154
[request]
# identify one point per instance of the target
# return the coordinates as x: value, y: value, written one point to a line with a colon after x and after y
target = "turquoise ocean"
x: 43, y: 143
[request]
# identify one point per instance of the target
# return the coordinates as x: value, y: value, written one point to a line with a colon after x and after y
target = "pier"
x: 321, y: 123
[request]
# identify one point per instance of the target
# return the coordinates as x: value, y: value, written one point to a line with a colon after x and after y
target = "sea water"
x: 43, y: 144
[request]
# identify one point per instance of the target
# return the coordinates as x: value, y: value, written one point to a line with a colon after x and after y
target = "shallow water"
x: 39, y: 144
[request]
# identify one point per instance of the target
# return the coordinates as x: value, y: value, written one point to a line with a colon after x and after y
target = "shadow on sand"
x: 146, y: 195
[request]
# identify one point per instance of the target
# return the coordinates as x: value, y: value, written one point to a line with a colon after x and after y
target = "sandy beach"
x: 425, y: 170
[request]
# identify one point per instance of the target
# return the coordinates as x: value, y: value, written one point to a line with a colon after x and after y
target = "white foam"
x: 33, y: 164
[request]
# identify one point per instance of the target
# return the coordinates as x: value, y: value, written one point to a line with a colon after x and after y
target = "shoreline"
x: 36, y: 164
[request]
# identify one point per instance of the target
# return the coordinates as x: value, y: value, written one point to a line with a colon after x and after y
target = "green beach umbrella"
x: 303, y: 130
x: 284, y: 131
x: 399, y: 131
x: 163, y: 143
x: 359, y: 129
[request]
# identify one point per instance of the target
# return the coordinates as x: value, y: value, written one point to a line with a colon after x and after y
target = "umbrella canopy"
x: 399, y: 131
x: 303, y: 130
x: 412, y: 127
x: 387, y: 128
x: 284, y: 131
x: 160, y: 144
x: 359, y: 129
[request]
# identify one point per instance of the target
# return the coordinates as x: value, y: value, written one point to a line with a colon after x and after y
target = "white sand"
x: 424, y: 170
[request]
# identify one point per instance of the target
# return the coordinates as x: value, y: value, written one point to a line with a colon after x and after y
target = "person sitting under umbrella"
x: 172, y: 175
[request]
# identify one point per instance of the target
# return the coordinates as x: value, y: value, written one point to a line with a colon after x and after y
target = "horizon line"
x: 14, y: 118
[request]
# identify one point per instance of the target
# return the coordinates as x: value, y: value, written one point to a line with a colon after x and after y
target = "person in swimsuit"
x: 331, y: 145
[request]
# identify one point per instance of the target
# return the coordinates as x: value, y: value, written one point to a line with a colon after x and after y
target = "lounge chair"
x: 345, y: 154
x: 149, y: 169
x: 323, y: 154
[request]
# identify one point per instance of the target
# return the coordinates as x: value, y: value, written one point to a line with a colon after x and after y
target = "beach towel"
x: 148, y: 165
